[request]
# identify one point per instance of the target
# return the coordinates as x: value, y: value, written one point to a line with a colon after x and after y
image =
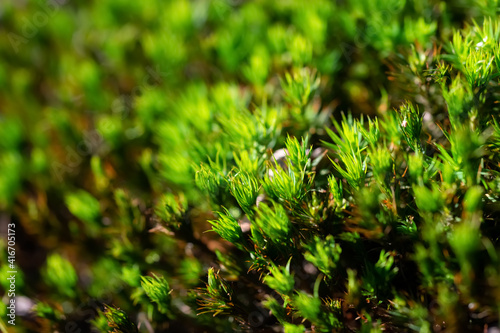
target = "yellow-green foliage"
x: 227, y: 165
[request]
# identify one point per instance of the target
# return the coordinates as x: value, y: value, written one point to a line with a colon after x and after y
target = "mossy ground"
x: 253, y: 166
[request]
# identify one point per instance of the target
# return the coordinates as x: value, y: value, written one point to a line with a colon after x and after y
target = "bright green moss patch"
x: 251, y: 166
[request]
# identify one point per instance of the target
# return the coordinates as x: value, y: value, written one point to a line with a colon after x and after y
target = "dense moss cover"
x: 251, y: 166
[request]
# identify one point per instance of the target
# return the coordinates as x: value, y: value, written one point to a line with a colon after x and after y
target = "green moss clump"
x: 251, y: 166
